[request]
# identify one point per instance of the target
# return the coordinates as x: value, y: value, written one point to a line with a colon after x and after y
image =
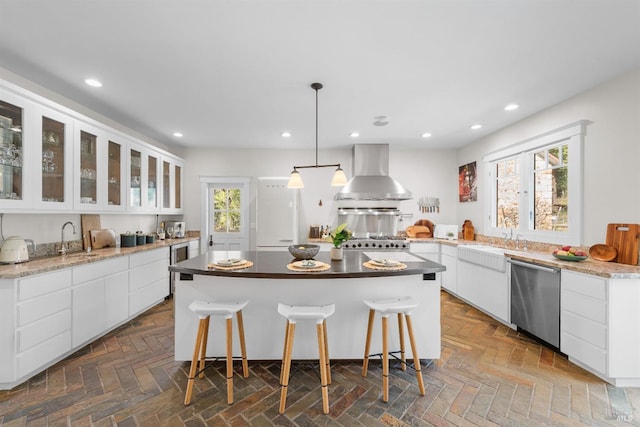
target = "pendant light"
x: 339, y: 177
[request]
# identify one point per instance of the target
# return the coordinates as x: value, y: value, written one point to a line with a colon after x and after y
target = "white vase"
x: 336, y: 254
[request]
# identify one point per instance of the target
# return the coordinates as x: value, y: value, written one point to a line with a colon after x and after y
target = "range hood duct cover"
x: 371, y: 180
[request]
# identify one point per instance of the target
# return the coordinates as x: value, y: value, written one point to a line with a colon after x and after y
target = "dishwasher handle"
x: 533, y: 266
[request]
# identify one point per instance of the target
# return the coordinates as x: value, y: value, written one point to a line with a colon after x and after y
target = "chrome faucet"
x: 508, y: 236
x: 63, y: 249
x: 518, y: 236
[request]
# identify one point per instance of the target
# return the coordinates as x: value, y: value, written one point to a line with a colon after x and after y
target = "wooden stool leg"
x: 203, y: 347
x: 385, y: 358
x: 229, y: 360
x: 243, y: 347
x: 291, y: 328
x: 323, y: 366
x: 284, y: 351
x: 194, y: 361
x: 326, y: 352
x: 365, y: 359
x: 416, y: 359
x: 401, y: 334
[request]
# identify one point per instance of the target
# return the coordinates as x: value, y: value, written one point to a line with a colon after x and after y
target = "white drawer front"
x: 43, y: 329
x: 41, y: 284
x: 592, y: 286
x: 585, y: 329
x: 449, y: 250
x: 96, y: 270
x: 149, y: 273
x: 44, y: 353
x: 583, y: 351
x: 147, y: 296
x: 146, y: 257
x: 585, y: 306
x: 42, y: 307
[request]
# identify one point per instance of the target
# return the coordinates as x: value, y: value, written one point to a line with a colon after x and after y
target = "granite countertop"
x: 273, y: 265
x: 610, y: 270
x: 57, y: 262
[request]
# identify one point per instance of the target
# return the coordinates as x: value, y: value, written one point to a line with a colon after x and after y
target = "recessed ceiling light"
x: 93, y: 82
x: 511, y: 107
x: 354, y: 134
x: 426, y: 135
x: 178, y: 134
x: 285, y: 134
x: 476, y: 126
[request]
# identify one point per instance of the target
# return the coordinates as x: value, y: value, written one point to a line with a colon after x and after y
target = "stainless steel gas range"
x: 377, y: 243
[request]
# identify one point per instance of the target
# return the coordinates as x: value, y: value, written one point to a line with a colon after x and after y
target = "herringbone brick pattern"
x: 488, y: 375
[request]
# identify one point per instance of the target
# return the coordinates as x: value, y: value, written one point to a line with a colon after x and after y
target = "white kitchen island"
x: 269, y: 282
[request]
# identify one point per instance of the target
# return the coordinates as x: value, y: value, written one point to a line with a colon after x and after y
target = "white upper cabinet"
x: 53, y: 159
x: 53, y: 183
x: 143, y: 179
x: 15, y: 155
x: 172, y: 170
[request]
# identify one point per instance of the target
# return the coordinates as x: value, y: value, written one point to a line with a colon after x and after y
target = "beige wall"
x: 611, y: 154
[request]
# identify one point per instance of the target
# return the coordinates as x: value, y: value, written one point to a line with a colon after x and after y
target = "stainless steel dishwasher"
x: 535, y: 300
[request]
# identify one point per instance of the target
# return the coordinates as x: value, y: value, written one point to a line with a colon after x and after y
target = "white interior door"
x: 226, y: 213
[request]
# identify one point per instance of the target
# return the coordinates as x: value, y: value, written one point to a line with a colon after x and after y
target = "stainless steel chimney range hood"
x: 371, y: 180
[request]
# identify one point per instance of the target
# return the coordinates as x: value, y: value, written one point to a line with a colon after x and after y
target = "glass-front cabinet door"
x: 172, y: 185
x: 144, y: 171
x: 115, y: 168
x: 88, y: 171
x: 14, y: 182
x: 54, y: 187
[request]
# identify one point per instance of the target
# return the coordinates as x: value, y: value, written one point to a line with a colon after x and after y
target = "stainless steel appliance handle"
x: 533, y: 266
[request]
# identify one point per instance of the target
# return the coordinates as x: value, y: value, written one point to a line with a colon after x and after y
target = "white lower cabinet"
x: 599, y: 323
x: 194, y: 248
x: 449, y: 258
x: 148, y: 279
x: 486, y: 288
x: 430, y: 251
x: 45, y: 317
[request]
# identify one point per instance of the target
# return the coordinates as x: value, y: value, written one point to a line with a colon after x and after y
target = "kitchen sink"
x: 484, y: 255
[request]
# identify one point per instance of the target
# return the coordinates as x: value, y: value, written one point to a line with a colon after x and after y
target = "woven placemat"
x: 231, y: 267
x: 374, y: 266
x: 322, y: 266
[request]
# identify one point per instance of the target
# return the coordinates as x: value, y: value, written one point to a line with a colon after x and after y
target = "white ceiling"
x: 237, y: 73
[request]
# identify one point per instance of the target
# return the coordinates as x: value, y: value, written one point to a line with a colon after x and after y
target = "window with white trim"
x: 535, y: 189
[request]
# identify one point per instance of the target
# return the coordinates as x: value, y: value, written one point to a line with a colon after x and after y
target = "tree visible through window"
x: 551, y: 207
x: 226, y: 210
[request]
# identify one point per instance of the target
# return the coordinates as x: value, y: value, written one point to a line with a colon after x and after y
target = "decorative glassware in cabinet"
x: 88, y: 165
x: 11, y: 151
x: 53, y: 155
x: 152, y: 198
x: 114, y: 172
x: 135, y: 198
x: 178, y: 184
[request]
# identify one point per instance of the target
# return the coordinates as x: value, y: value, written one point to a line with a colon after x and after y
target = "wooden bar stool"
x: 205, y: 310
x: 293, y: 313
x: 402, y: 307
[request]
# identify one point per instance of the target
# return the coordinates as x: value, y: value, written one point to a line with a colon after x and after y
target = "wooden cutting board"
x: 103, y: 238
x: 89, y: 222
x: 624, y: 237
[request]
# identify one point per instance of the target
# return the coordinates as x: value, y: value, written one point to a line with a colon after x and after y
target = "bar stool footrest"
x: 393, y: 354
x: 212, y: 360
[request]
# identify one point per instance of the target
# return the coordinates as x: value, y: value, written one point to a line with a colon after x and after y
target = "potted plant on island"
x: 338, y: 237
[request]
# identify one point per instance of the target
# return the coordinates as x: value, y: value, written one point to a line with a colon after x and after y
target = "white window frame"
x: 571, y: 135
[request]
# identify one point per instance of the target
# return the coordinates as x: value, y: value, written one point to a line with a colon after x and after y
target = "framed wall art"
x: 468, y: 183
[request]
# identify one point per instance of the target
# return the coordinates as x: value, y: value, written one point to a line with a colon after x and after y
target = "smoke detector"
x: 380, y: 121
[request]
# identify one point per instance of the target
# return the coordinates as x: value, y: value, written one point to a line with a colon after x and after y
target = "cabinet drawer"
x: 147, y: 296
x: 592, y: 286
x: 146, y: 257
x: 43, y: 354
x: 42, y: 307
x: 149, y: 273
x: 585, y: 329
x: 585, y: 306
x: 43, y: 329
x: 96, y: 270
x: 42, y: 284
x: 449, y: 250
x: 587, y: 353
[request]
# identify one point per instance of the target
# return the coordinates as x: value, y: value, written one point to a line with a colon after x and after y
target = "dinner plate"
x: 230, y: 262
x: 310, y: 264
x: 385, y: 262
